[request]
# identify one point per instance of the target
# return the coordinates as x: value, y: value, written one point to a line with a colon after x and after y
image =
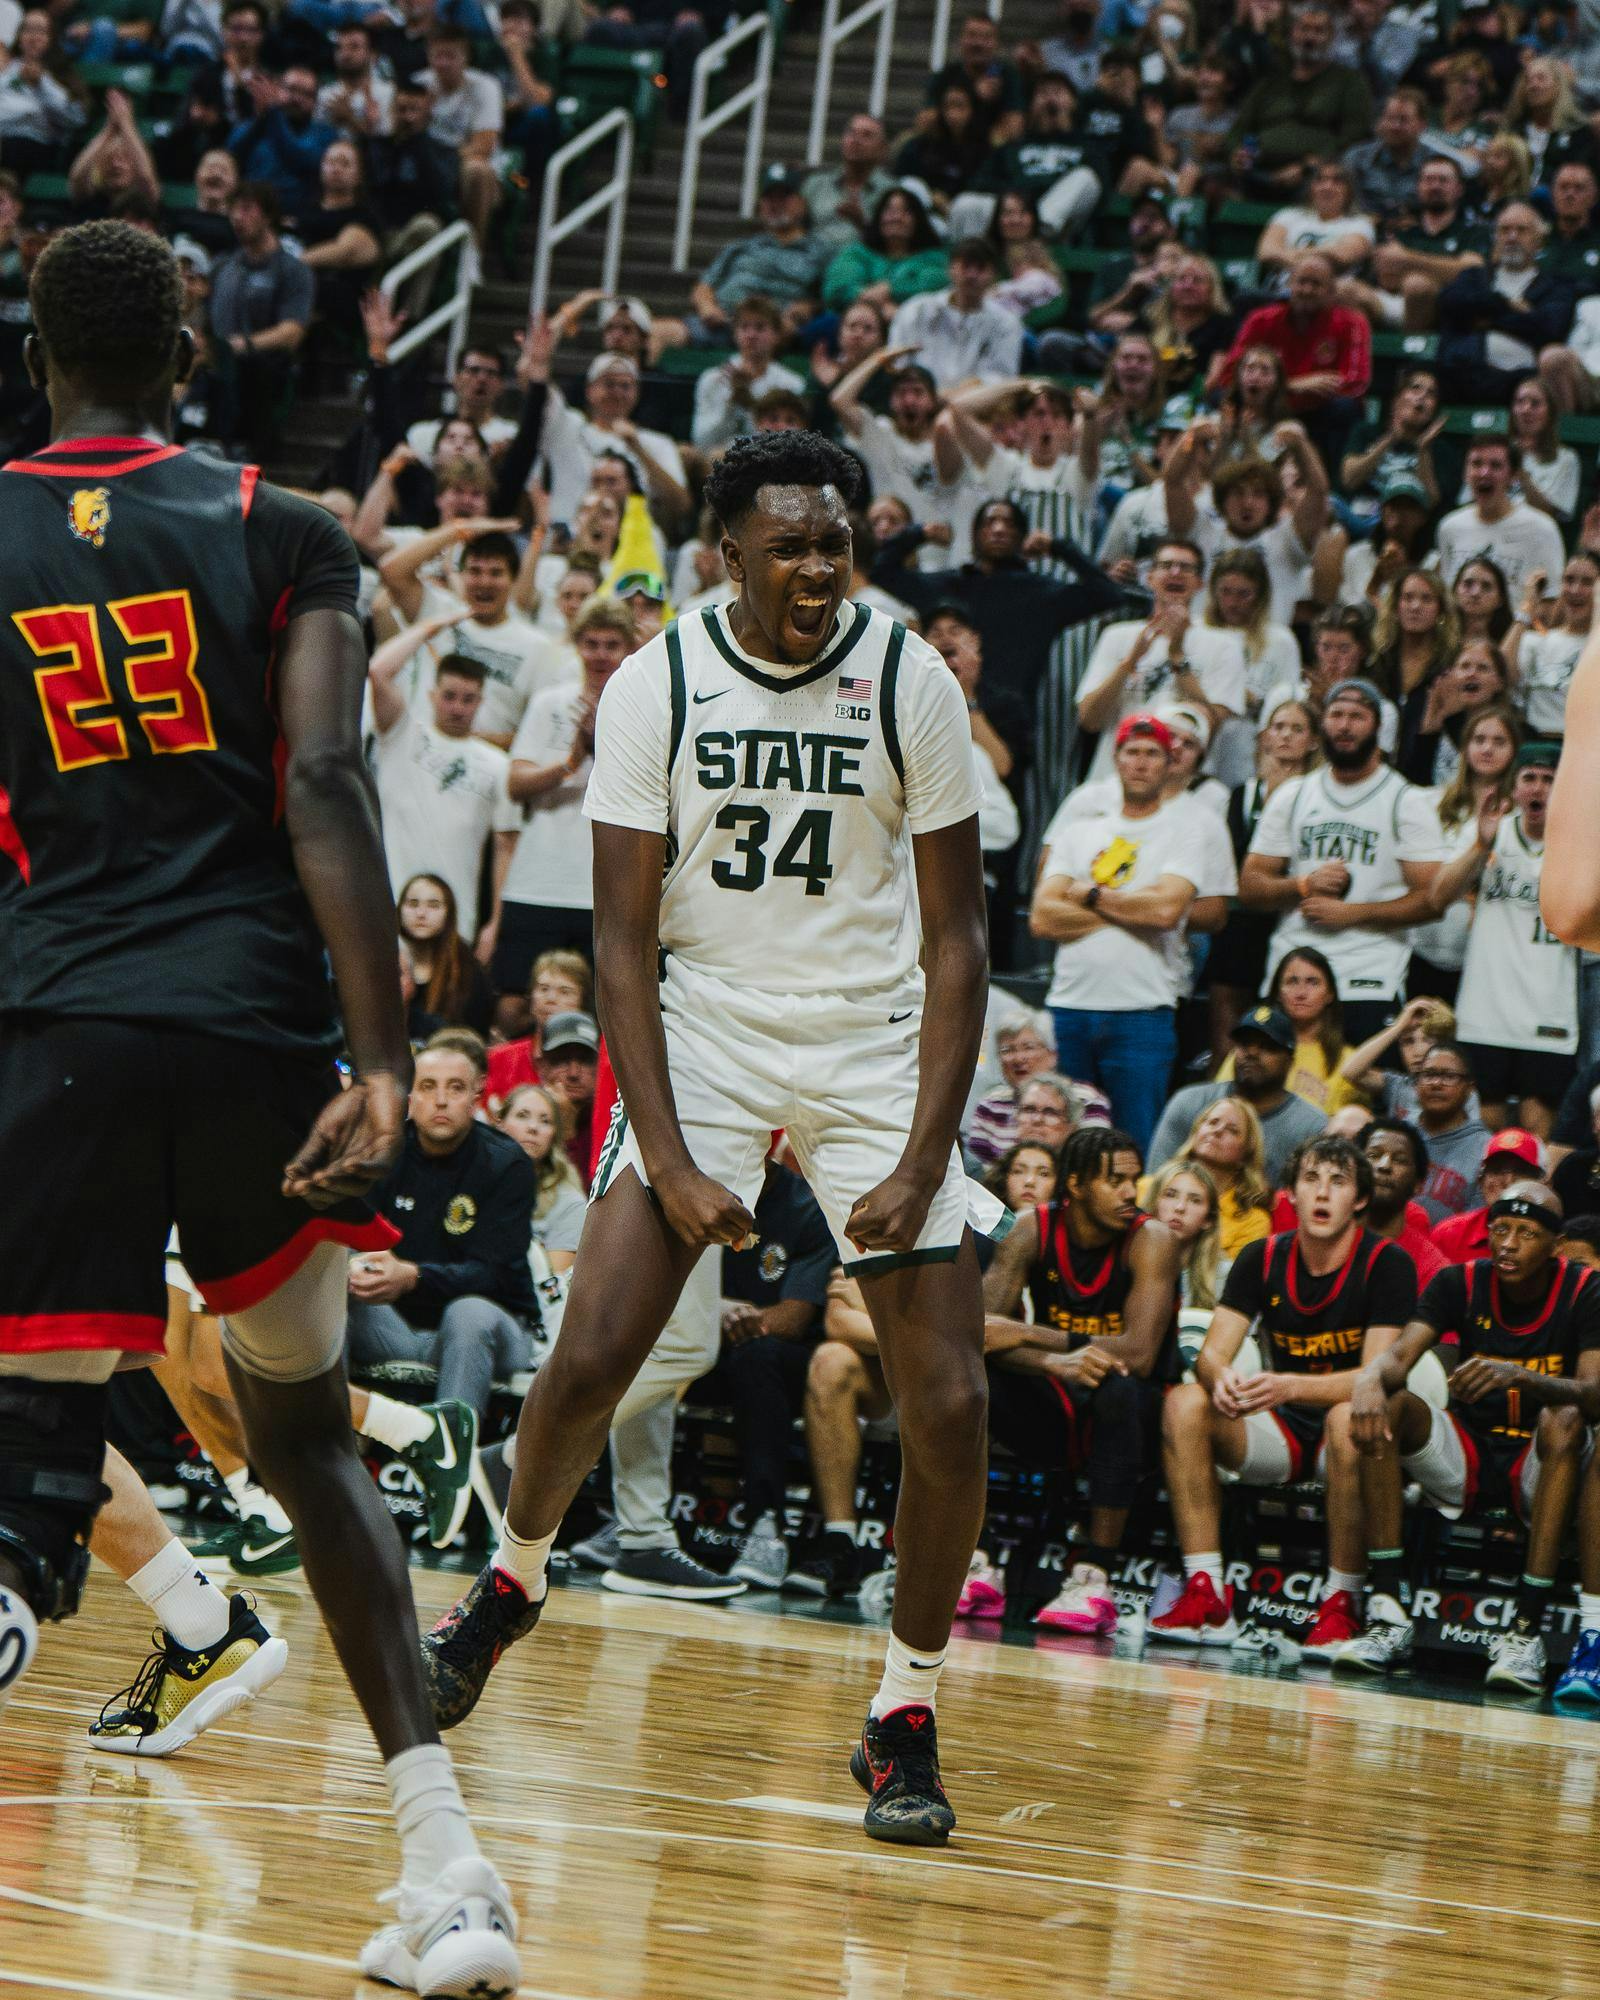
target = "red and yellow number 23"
x: 75, y: 687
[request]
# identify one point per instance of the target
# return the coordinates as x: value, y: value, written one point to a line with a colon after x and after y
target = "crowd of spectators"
x: 1264, y: 567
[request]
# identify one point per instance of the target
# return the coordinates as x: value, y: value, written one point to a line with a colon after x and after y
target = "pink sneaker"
x: 1084, y: 1605
x: 983, y: 1595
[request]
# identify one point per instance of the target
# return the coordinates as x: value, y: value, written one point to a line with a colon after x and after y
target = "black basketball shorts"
x: 111, y: 1133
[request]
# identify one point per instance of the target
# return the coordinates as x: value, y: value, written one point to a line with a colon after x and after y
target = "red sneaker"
x: 1200, y: 1617
x: 1336, y: 1622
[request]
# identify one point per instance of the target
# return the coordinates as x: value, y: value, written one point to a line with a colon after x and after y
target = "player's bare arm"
x: 1481, y: 1376
x: 1213, y: 1366
x: 1569, y: 889
x: 1380, y: 1378
x: 889, y: 1217
x: 331, y: 812
x: 628, y: 867
x: 1155, y: 1261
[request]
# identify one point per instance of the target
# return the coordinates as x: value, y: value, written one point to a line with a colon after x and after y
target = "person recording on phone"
x: 456, y: 1289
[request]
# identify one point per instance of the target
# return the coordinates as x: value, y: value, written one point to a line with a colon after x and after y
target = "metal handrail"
x: 613, y: 196
x: 455, y: 310
x: 702, y: 123
x: 941, y: 30
x: 834, y: 33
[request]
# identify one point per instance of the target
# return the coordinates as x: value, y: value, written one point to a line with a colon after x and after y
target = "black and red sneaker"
x: 461, y: 1651
x: 897, y: 1761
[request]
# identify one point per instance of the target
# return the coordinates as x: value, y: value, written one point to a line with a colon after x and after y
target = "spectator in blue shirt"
x: 284, y: 143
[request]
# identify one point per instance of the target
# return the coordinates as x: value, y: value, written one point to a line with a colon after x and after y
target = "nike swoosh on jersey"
x: 698, y: 698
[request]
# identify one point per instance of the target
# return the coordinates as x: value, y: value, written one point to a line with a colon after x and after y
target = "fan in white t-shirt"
x: 517, y: 658
x: 1509, y: 532
x: 1169, y: 656
x: 904, y: 455
x: 440, y: 787
x: 1544, y: 659
x: 547, y: 897
x: 1248, y: 509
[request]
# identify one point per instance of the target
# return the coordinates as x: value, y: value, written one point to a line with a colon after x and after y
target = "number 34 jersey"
x: 145, y: 869
x: 786, y: 795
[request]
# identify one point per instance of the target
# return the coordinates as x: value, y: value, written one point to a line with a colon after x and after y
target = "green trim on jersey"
x: 886, y: 692
x: 869, y: 1267
x: 680, y: 698
x: 778, y: 684
x: 616, y: 1132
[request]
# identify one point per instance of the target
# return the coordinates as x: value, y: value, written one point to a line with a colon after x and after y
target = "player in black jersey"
x: 1081, y: 1382
x: 1519, y: 1334
x: 1320, y: 1298
x: 188, y: 837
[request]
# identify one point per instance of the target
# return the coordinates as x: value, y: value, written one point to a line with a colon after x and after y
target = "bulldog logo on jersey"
x: 460, y: 1215
x: 89, y: 515
x: 1115, y: 863
x: 774, y: 1261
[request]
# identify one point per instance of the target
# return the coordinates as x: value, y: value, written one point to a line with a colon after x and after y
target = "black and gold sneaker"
x: 461, y: 1651
x: 177, y: 1693
x: 897, y: 1761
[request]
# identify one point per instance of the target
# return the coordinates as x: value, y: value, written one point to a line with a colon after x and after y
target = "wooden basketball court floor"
x: 664, y: 1787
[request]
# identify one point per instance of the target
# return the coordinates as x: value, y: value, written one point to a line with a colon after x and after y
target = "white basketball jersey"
x: 787, y: 795
x: 1373, y: 828
x: 1519, y: 985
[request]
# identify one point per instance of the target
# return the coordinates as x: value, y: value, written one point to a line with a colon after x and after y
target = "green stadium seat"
x: 1464, y: 421
x: 1241, y: 274
x: 687, y: 362
x: 1394, y: 353
x: 1078, y: 264
x: 1111, y: 223
x: 137, y: 79
x: 178, y: 195
x: 595, y: 81
x: 46, y: 191
x: 1580, y: 431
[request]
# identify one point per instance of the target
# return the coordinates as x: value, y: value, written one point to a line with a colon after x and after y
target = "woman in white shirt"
x: 1328, y: 222
x: 1488, y: 750
x: 1542, y: 656
x: 1238, y: 600
x: 539, y: 1122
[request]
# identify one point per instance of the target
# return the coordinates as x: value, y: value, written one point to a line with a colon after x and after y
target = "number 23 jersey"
x: 786, y: 795
x: 145, y: 868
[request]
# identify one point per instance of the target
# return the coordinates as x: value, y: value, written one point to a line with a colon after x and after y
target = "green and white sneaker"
x: 264, y: 1550
x: 443, y: 1462
x: 214, y: 1553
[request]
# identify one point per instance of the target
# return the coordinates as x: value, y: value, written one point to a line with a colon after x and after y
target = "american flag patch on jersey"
x: 853, y: 688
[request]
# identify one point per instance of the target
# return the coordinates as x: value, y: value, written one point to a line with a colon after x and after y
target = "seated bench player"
x: 1080, y: 1384
x: 1518, y: 1332
x: 1322, y: 1298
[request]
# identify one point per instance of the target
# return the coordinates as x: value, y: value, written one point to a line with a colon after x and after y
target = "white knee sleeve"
x: 1440, y: 1467
x: 298, y: 1332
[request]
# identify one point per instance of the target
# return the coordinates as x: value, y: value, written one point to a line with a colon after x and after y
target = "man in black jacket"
x: 1017, y: 612
x: 1497, y: 318
x: 456, y: 1290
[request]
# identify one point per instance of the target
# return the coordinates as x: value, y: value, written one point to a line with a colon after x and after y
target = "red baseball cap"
x: 1143, y: 723
x: 1521, y: 1145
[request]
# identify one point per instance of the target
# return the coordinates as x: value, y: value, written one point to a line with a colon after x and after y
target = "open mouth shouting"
x: 809, y: 613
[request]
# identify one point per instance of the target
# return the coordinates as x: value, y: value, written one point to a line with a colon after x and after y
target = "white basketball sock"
x: 1588, y: 1611
x: 183, y: 1599
x: 254, y: 1502
x: 1354, y: 1581
x: 840, y: 1528
x: 910, y: 1679
x: 429, y: 1811
x: 395, y: 1424
x: 1208, y: 1563
x: 525, y: 1560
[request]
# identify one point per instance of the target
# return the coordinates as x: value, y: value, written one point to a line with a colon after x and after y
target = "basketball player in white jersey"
x: 1517, y: 1011
x: 1346, y: 856
x: 785, y: 814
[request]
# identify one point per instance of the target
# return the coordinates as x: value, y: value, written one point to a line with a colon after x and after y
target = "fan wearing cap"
x: 1264, y: 1047
x: 1518, y: 1332
x: 1139, y: 526
x: 1169, y: 656
x: 572, y: 444
x: 725, y: 397
x: 783, y: 261
x: 1511, y: 1155
x: 1517, y: 1010
x: 1346, y: 856
x: 1113, y: 897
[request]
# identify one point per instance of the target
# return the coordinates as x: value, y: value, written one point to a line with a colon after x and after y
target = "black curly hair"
x: 777, y: 458
x: 107, y: 305
x: 1089, y: 1152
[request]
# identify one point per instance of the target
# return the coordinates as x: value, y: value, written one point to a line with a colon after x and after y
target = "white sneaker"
x: 1385, y: 1643
x: 764, y: 1559
x: 454, y: 1940
x: 1518, y: 1662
